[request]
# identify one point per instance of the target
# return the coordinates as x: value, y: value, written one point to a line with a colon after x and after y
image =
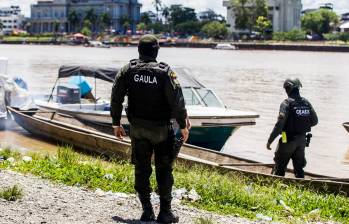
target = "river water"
x: 245, y: 80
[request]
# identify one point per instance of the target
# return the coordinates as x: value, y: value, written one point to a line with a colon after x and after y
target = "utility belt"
x: 285, y: 137
x: 290, y: 136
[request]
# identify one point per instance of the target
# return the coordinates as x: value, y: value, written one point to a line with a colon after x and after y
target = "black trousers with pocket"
x: 295, y: 150
x: 146, y: 141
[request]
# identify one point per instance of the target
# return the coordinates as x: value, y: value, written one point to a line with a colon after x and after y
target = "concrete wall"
x: 284, y: 14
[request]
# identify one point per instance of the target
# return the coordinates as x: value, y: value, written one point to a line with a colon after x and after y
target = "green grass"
x: 11, y: 193
x: 221, y: 193
x: 28, y: 39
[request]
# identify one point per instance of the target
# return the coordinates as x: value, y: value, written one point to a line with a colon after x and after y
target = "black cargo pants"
x: 295, y: 150
x: 146, y: 141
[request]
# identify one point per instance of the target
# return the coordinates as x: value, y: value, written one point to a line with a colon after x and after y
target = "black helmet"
x: 148, y: 46
x: 292, y: 83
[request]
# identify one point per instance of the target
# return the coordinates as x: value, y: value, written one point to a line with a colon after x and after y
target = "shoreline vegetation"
x: 327, y: 46
x: 225, y: 194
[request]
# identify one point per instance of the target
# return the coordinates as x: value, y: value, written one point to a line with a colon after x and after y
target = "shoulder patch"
x: 173, y: 75
x: 163, y: 65
x: 174, y: 80
x: 134, y: 63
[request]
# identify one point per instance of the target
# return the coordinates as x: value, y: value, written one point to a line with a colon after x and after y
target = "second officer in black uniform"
x: 296, y: 117
x: 154, y: 98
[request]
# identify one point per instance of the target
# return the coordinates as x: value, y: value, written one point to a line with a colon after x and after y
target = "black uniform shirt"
x: 172, y: 92
x: 283, y: 115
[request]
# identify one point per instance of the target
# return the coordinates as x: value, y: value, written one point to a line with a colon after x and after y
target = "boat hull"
x: 71, y: 131
x: 206, y: 132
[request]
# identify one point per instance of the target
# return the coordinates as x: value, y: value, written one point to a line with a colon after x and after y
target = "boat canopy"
x: 187, y: 80
x: 106, y: 74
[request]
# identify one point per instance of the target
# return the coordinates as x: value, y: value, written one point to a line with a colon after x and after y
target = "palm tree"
x: 92, y: 17
x: 73, y: 19
x: 158, y: 7
x: 166, y: 13
x: 105, y: 20
x: 125, y: 22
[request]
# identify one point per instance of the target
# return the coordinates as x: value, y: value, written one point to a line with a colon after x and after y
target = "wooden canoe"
x: 71, y: 131
x: 346, y: 126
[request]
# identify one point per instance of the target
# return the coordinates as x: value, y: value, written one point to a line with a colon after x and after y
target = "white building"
x: 11, y: 18
x: 285, y: 15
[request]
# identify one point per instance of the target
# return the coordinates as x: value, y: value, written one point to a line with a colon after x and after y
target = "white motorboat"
x: 225, y: 46
x: 97, y: 44
x: 212, y: 122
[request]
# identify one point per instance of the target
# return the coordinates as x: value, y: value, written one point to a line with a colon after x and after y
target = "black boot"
x: 148, y: 212
x: 166, y: 215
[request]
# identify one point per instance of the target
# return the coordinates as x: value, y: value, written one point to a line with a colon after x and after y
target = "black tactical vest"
x: 299, y: 117
x: 146, y: 95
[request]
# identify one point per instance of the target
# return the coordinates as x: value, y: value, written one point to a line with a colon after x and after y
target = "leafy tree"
x: 320, y: 22
x: 157, y: 27
x: 92, y: 17
x: 145, y: 18
x: 215, y: 30
x: 263, y: 25
x: 142, y: 26
x: 337, y: 36
x: 86, y: 31
x: 126, y: 23
x: 180, y: 14
x: 105, y: 20
x: 87, y: 23
x: 1, y: 25
x: 293, y: 35
x: 189, y: 27
x: 247, y: 12
x: 74, y: 20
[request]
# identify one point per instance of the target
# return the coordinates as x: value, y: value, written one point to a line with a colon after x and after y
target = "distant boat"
x: 346, y: 126
x: 97, y: 44
x: 212, y: 122
x: 225, y: 46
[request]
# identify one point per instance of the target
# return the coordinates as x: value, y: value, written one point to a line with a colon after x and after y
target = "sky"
x: 341, y: 6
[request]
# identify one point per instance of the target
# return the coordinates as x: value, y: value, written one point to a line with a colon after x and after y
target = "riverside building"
x: 284, y: 15
x: 48, y: 15
x: 11, y: 19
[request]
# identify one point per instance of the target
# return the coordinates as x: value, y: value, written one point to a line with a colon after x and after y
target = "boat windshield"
x: 190, y: 97
x: 202, y: 97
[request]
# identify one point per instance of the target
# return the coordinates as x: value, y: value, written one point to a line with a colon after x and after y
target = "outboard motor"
x: 68, y: 94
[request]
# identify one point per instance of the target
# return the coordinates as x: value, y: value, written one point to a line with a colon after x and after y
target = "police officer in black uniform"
x: 154, y: 98
x: 296, y: 117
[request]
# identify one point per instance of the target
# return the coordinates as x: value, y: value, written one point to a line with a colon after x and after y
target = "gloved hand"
x: 268, y: 146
